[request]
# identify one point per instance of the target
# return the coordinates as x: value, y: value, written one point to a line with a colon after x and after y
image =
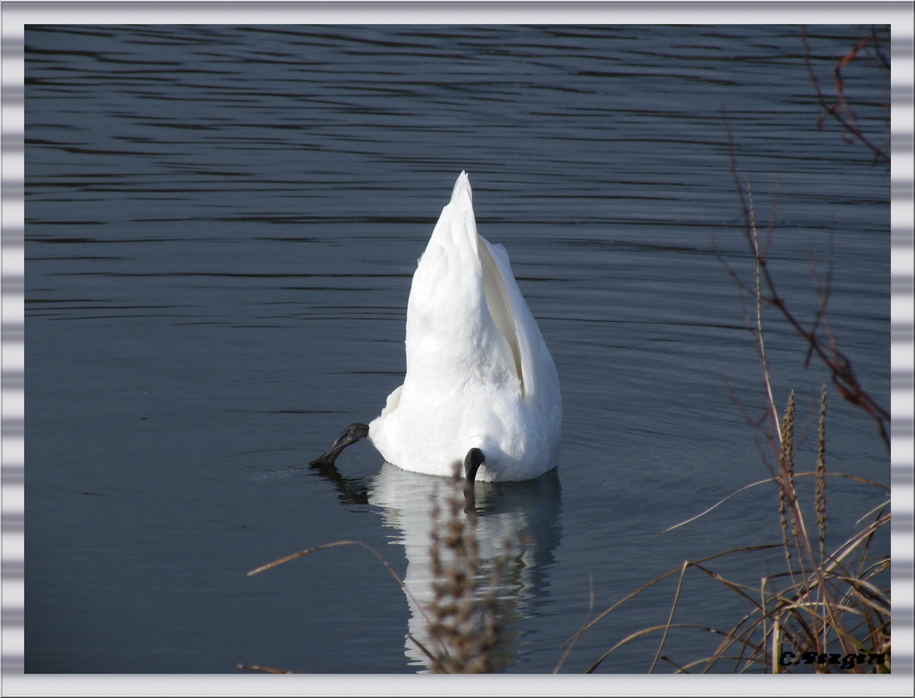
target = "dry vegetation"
x: 825, y: 610
x: 460, y: 618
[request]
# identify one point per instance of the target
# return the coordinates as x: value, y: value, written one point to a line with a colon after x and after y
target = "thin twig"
x: 842, y: 374
x: 833, y: 111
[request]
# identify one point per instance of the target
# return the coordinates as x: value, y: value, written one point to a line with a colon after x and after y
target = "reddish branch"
x: 842, y: 374
x: 839, y: 109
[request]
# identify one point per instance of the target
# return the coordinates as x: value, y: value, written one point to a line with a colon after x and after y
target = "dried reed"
x: 462, y: 627
x: 825, y: 611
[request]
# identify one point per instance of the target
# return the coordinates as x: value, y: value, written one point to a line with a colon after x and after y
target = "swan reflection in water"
x: 527, y: 511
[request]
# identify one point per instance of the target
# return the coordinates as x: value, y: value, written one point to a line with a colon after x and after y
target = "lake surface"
x: 221, y: 228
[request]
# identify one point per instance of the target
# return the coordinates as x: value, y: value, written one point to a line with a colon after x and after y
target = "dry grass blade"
x: 736, y: 587
x: 646, y: 631
x: 718, y: 504
x: 773, y: 479
x: 293, y: 556
x: 812, y: 612
x: 670, y: 618
x: 650, y: 584
x: 577, y: 635
x: 849, y: 546
x: 761, y: 346
x: 458, y: 644
x: 338, y: 544
x: 661, y: 578
x: 264, y: 669
x: 679, y: 669
x: 879, y: 507
x: 713, y: 658
x: 422, y: 648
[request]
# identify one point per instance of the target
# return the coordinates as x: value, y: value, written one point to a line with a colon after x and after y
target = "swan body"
x: 479, y: 375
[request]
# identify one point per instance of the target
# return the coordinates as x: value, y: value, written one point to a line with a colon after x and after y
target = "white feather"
x: 478, y: 371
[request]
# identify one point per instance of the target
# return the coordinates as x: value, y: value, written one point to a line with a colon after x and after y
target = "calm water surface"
x: 221, y: 228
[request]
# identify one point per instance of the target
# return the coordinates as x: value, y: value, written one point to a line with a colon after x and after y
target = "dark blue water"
x: 221, y: 228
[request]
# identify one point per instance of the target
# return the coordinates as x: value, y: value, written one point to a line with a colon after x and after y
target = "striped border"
x: 15, y: 15
x: 12, y: 461
x: 902, y: 343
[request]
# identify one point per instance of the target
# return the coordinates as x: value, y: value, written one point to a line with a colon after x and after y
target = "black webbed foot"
x: 350, y: 435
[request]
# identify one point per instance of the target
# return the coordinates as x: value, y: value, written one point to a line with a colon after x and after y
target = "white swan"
x: 481, y: 386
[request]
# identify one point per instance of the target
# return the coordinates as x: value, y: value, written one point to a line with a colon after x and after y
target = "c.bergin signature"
x: 846, y: 661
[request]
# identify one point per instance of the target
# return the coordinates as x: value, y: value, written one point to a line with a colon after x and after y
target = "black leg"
x: 350, y: 435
